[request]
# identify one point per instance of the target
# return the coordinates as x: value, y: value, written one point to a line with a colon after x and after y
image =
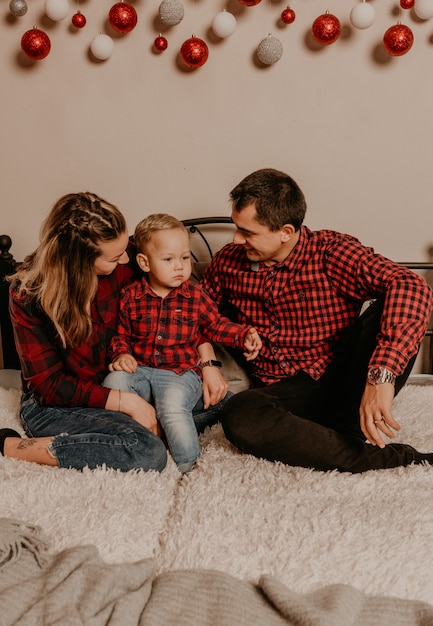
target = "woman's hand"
x: 215, y: 386
x: 134, y: 406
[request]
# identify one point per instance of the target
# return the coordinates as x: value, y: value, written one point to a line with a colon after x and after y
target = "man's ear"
x: 287, y: 232
x: 143, y: 262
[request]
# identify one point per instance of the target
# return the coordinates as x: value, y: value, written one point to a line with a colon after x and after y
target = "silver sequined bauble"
x: 18, y: 7
x: 270, y: 50
x: 171, y: 12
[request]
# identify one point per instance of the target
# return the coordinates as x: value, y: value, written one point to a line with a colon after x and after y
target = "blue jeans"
x: 174, y: 397
x: 89, y: 437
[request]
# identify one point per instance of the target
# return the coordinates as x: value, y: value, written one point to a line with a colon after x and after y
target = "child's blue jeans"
x: 174, y: 397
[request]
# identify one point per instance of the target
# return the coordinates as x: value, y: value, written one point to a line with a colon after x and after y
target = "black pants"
x: 316, y: 424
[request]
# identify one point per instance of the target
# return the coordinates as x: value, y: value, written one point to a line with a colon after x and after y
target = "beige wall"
x: 351, y: 124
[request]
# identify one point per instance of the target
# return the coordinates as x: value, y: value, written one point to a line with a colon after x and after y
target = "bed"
x: 339, y: 549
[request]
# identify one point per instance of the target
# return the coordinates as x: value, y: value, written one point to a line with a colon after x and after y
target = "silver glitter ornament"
x: 18, y: 7
x: 171, y: 12
x: 270, y: 50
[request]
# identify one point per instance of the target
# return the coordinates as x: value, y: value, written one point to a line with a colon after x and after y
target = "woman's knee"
x: 153, y: 455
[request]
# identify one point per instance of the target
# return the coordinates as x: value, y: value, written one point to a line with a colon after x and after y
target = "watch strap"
x: 379, y: 375
x: 211, y: 363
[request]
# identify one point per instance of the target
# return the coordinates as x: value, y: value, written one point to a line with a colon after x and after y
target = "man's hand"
x: 376, y: 413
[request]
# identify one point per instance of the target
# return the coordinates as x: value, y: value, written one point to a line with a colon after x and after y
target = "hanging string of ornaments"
x: 194, y: 52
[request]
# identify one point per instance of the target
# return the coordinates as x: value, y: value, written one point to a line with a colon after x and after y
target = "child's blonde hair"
x: 152, y: 224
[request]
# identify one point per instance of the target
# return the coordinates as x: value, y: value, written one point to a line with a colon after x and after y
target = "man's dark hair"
x: 276, y: 196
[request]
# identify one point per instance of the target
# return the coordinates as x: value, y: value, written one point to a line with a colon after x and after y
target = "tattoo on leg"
x: 26, y: 443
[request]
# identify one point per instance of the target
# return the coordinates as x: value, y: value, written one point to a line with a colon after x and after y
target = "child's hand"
x: 253, y: 344
x: 124, y: 362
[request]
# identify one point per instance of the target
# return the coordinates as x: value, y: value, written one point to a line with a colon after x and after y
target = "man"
x: 324, y: 381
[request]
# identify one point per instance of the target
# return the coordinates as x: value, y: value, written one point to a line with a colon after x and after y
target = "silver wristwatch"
x: 379, y: 375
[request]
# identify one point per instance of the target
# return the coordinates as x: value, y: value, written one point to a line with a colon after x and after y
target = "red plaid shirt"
x: 67, y: 377
x: 303, y: 306
x: 165, y: 332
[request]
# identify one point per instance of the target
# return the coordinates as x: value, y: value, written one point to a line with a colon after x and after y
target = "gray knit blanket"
x: 76, y: 587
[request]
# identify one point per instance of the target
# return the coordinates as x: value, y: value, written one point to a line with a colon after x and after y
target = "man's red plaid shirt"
x: 303, y: 307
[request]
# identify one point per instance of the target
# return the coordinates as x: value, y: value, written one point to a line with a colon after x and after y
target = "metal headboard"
x: 195, y: 227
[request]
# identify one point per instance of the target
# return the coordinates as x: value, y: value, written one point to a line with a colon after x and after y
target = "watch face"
x: 374, y: 374
x: 378, y: 375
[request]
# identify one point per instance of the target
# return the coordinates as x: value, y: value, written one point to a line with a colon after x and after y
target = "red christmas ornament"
x: 407, y: 4
x: 398, y: 40
x: 326, y: 29
x: 123, y: 17
x: 194, y: 52
x: 288, y: 16
x: 36, y: 44
x: 249, y: 3
x: 79, y: 20
x: 160, y: 44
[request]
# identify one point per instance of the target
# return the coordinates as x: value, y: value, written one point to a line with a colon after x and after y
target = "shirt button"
x: 159, y: 337
x: 157, y: 352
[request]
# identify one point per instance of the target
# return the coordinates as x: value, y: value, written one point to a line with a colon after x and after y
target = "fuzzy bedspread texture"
x: 245, y: 520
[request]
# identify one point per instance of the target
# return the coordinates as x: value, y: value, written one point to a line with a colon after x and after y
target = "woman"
x: 64, y: 305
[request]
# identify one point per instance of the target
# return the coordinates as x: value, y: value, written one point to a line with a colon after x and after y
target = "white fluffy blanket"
x: 244, y: 516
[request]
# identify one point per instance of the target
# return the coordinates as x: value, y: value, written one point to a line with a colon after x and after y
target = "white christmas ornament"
x: 270, y: 50
x: 224, y: 24
x: 423, y: 9
x: 102, y: 47
x: 57, y: 9
x: 362, y: 15
x: 171, y: 12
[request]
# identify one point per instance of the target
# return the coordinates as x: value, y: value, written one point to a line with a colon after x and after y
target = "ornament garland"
x: 122, y: 17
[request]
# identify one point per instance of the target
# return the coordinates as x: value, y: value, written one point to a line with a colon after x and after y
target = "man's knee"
x: 244, y: 419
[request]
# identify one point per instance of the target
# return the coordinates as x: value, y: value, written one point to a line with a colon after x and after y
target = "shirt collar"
x: 143, y: 289
x: 291, y: 260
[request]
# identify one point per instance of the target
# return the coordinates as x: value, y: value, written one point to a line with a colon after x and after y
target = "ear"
x: 143, y: 262
x: 287, y: 231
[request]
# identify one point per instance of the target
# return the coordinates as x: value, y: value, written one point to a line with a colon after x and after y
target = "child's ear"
x: 142, y: 261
